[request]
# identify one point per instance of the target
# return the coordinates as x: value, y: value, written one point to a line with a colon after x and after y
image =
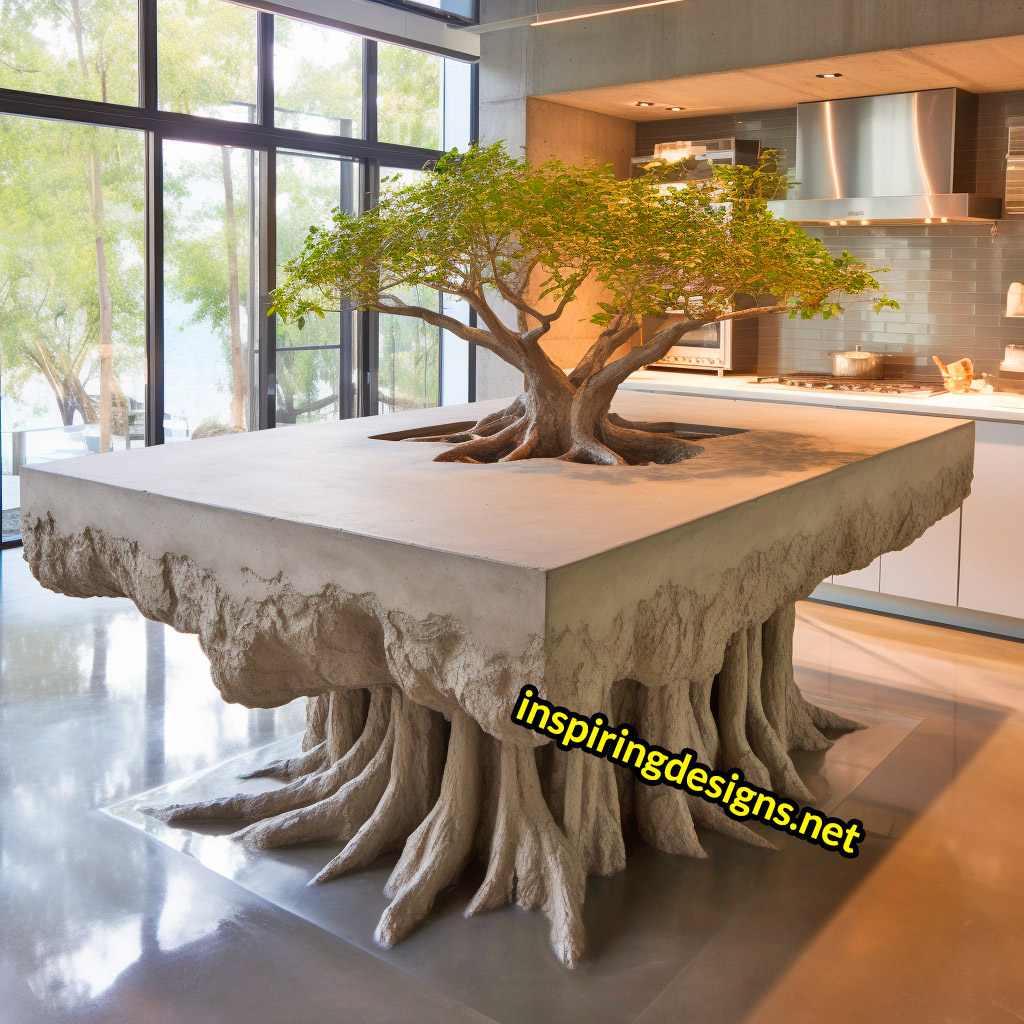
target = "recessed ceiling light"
x: 644, y: 103
x: 831, y: 74
x: 675, y: 108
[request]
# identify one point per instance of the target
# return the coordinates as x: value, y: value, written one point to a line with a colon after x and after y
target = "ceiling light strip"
x: 597, y: 14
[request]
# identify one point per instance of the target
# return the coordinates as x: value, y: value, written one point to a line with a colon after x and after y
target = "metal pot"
x: 868, y: 365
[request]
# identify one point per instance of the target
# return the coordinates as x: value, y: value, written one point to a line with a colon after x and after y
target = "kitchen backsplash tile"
x: 950, y: 280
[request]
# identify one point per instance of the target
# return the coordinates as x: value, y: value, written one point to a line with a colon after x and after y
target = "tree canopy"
x: 517, y: 241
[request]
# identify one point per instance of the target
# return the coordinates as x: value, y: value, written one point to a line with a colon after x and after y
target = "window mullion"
x: 368, y: 376
x: 370, y: 90
x: 267, y: 283
x: 148, y: 55
x: 265, y: 69
x: 154, y: 316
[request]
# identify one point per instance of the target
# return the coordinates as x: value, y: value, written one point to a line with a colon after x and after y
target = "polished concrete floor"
x: 102, y: 922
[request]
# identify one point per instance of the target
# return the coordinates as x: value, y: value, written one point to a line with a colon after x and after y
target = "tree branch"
x: 598, y: 354
x: 494, y: 322
x: 599, y: 388
x: 597, y: 391
x: 474, y: 335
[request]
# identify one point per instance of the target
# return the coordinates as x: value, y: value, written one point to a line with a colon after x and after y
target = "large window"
x: 207, y: 58
x: 318, y: 79
x: 72, y: 334
x: 408, y: 350
x: 146, y: 212
x: 85, y: 50
x: 209, y: 241
x: 316, y: 367
x: 422, y: 99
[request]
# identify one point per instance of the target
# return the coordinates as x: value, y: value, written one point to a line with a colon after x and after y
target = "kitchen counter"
x: 961, y: 572
x: 1004, y: 407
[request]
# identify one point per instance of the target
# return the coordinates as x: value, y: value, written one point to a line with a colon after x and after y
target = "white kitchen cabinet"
x: 927, y: 570
x: 862, y: 579
x: 992, y: 532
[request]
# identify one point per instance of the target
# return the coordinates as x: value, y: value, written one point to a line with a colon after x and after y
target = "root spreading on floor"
x: 379, y: 772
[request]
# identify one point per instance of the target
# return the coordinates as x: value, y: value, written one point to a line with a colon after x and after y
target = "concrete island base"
x: 410, y: 601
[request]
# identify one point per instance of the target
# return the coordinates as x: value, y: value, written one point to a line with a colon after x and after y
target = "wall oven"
x: 731, y: 345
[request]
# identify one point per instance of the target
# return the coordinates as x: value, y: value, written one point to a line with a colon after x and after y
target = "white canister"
x: 1015, y: 299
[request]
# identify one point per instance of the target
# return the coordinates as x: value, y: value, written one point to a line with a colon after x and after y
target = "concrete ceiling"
x: 980, y: 66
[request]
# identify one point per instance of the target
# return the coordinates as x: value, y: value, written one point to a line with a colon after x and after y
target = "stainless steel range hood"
x: 904, y: 158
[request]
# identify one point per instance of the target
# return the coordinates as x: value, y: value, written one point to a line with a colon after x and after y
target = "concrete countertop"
x: 485, y: 577
x: 1004, y: 407
x: 337, y: 476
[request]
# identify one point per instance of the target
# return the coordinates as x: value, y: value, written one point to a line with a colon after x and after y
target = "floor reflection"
x: 97, y: 703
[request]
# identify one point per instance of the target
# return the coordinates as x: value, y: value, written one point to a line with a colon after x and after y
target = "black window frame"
x: 266, y: 139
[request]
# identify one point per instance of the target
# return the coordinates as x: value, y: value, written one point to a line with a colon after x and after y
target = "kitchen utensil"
x: 958, y: 376
x: 866, y: 365
x: 1013, y: 357
x: 1011, y: 370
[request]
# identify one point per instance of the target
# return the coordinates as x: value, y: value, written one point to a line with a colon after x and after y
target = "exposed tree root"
x: 660, y: 427
x: 665, y: 816
x: 544, y: 819
x: 585, y: 802
x: 308, y: 788
x: 317, y: 709
x: 531, y: 862
x: 437, y: 852
x: 333, y: 722
x: 290, y: 768
x: 412, y: 786
x: 799, y: 724
x: 532, y: 428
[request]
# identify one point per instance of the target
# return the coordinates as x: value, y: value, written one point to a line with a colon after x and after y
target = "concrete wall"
x: 950, y: 280
x: 701, y: 36
x: 501, y: 121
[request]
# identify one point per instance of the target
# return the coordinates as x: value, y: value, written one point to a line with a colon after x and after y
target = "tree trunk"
x: 106, y: 306
x: 106, y: 309
x: 566, y: 417
x: 234, y: 307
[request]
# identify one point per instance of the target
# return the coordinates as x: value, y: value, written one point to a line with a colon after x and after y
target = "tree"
x: 516, y: 242
x: 56, y: 308
x: 72, y: 211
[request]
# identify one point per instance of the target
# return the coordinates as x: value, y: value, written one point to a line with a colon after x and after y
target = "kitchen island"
x: 410, y: 601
